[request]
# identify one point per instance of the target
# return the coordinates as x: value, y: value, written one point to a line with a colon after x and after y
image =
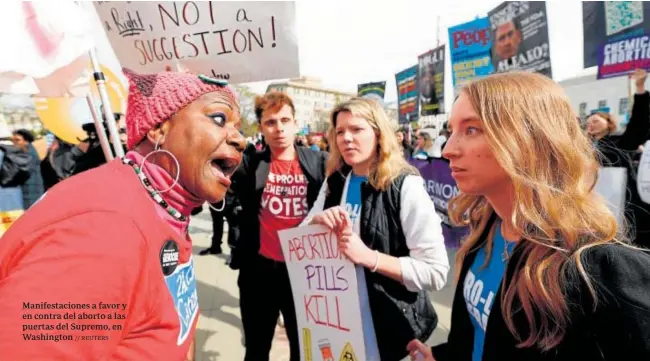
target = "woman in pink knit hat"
x: 101, y: 267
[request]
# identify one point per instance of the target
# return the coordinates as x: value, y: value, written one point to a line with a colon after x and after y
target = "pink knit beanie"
x: 154, y: 98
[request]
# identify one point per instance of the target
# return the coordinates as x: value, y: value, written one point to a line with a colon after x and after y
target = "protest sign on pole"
x: 469, y: 48
x: 431, y: 81
x: 324, y: 285
x: 236, y: 41
x: 441, y: 188
x: 520, y: 37
x: 407, y: 94
x: 621, y: 57
x: 610, y: 21
x: 374, y: 90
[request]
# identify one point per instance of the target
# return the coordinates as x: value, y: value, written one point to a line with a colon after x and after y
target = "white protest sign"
x: 643, y: 174
x: 324, y: 285
x: 612, y: 186
x: 236, y: 41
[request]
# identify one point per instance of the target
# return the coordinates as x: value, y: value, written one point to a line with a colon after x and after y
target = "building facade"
x: 588, y: 94
x: 18, y: 118
x: 313, y: 102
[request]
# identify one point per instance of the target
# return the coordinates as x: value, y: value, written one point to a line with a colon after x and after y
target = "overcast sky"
x: 351, y: 42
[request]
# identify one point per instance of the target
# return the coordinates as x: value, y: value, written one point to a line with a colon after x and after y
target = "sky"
x: 350, y: 42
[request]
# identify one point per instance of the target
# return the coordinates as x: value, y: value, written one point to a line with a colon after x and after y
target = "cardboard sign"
x: 236, y: 41
x: 324, y: 285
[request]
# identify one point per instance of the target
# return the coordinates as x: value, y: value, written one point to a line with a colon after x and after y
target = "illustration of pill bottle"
x: 326, y: 350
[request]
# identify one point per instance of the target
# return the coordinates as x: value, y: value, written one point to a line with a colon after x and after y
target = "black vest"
x: 398, y: 315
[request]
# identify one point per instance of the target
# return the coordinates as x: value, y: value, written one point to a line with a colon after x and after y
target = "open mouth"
x: 224, y: 167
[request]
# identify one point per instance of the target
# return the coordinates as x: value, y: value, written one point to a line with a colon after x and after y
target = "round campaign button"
x: 169, y: 257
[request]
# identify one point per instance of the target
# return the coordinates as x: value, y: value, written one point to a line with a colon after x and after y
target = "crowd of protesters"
x: 555, y: 275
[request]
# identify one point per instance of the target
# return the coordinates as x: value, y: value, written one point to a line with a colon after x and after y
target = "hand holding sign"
x: 419, y: 351
x: 353, y: 247
x: 331, y: 218
x: 325, y: 292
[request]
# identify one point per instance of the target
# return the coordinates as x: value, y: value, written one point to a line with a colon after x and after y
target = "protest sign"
x: 235, y: 41
x: 441, y: 188
x: 407, y: 94
x: 469, y: 48
x: 373, y: 91
x: 610, y: 21
x: 520, y: 37
x: 643, y: 174
x: 324, y: 285
x: 619, y: 58
x: 612, y: 186
x: 431, y: 81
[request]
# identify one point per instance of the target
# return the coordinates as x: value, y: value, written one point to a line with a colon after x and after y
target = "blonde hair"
x: 428, y: 141
x: 533, y: 132
x: 389, y: 163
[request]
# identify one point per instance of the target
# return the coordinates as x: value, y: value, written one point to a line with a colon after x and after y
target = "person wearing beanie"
x: 101, y: 267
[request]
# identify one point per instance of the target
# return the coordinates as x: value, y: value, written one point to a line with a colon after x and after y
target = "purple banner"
x: 441, y: 188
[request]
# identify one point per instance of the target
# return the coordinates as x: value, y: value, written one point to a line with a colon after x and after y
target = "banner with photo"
x: 469, y: 48
x: 520, y: 37
x: 374, y: 91
x: 407, y: 94
x: 606, y: 22
x: 621, y: 57
x: 431, y: 81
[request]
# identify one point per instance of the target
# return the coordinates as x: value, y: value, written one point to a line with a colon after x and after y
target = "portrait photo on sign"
x: 431, y: 75
x: 519, y: 31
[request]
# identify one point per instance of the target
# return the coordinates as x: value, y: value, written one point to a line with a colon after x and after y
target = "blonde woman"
x: 543, y: 274
x: 424, y: 147
x: 387, y: 226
